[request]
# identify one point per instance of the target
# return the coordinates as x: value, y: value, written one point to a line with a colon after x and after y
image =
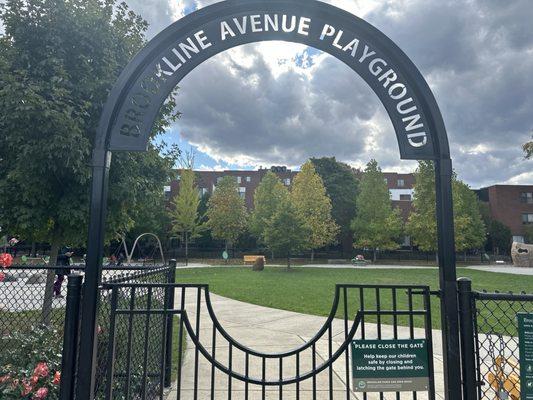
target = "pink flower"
x: 2, y: 276
x: 4, y: 379
x: 41, y: 393
x: 41, y: 370
x: 26, y: 388
x: 57, y: 378
x: 6, y: 260
x: 99, y: 330
x: 34, y: 379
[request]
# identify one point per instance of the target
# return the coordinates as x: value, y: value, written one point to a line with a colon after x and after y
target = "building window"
x: 248, y: 179
x: 287, y: 181
x: 239, y: 179
x: 526, y: 198
x: 202, y: 192
x: 527, y: 219
x: 401, y: 183
x: 405, y: 197
x: 242, y: 192
x: 219, y: 179
x: 386, y: 181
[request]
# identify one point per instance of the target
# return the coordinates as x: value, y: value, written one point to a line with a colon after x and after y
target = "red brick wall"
x: 506, y: 207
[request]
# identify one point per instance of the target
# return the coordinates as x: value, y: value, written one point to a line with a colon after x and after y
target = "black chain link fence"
x: 497, y: 343
x: 23, y: 307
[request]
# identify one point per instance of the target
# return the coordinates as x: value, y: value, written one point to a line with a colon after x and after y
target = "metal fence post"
x: 169, y: 305
x: 466, y: 316
x: 70, y: 337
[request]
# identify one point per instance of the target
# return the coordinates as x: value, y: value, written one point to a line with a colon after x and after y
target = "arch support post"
x: 448, y: 279
x: 93, y: 270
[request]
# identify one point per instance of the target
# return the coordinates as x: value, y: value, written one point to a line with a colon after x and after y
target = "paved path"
x: 335, y: 266
x: 505, y: 269
x: 271, y: 330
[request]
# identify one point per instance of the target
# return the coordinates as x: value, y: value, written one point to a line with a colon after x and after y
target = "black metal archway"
x: 146, y: 82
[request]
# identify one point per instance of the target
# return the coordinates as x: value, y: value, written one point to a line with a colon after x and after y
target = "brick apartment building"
x: 400, y: 185
x: 247, y: 181
x: 512, y: 205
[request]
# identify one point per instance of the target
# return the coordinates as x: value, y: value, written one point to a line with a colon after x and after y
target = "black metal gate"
x: 210, y: 364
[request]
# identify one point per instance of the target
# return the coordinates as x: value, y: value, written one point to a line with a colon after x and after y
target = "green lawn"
x: 311, y: 290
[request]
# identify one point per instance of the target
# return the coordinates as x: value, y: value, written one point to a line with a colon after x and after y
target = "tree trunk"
x: 312, y: 255
x: 33, y: 249
x: 186, y: 248
x: 46, y: 312
x: 375, y: 255
x: 288, y: 261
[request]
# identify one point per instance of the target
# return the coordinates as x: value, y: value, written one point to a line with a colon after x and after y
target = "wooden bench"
x: 251, y: 259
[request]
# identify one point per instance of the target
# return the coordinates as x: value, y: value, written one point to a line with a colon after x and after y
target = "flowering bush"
x: 30, y: 369
x: 6, y: 260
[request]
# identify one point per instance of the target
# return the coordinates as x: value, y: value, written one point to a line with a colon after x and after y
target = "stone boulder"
x: 522, y: 255
x: 259, y: 264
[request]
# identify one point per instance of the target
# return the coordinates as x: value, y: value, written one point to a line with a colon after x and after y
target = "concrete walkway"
x: 270, y: 330
x: 333, y: 266
x: 504, y: 269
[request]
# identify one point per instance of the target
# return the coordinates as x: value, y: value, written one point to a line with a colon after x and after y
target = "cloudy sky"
x: 279, y: 104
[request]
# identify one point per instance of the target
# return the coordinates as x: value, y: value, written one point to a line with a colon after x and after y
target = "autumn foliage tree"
x: 313, y: 206
x: 226, y: 212
x: 187, y: 223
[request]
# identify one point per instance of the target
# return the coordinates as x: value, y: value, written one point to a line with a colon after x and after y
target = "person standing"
x: 63, y: 261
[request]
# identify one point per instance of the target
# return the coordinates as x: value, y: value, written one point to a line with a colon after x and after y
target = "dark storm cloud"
x: 245, y: 110
x: 477, y: 56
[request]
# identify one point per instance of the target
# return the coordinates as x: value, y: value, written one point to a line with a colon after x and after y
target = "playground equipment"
x: 504, y: 376
x: 129, y: 255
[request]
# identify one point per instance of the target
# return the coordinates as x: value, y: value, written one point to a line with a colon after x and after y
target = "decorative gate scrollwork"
x: 212, y: 364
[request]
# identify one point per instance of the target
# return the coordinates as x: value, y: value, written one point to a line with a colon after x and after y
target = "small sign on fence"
x: 390, y: 365
x: 525, y: 345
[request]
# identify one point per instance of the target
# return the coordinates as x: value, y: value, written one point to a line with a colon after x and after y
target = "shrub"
x: 30, y: 366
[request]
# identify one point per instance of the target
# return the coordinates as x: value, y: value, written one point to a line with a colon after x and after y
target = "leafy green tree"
x: 286, y: 232
x: 422, y: 224
x: 314, y: 206
x: 500, y: 237
x: 377, y: 225
x: 186, y: 220
x: 528, y: 149
x: 469, y: 226
x: 58, y: 62
x: 226, y: 212
x: 341, y: 187
x: 267, y: 197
